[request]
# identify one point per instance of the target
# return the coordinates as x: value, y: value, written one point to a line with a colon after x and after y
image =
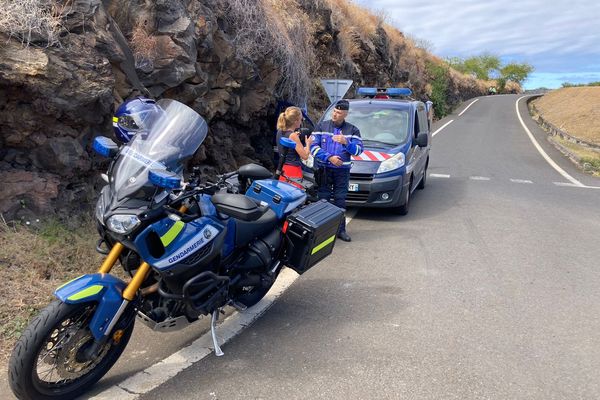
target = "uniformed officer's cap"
x: 342, y: 105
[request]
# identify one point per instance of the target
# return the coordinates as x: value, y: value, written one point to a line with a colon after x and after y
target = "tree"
x: 481, y: 66
x: 516, y: 72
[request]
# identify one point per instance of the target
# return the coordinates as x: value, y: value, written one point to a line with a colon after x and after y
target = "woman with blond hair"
x: 288, y: 125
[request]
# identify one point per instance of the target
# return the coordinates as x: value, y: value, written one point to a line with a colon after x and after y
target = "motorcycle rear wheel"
x: 46, y: 362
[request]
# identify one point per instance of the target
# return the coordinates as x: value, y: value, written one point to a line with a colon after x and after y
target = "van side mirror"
x: 422, y: 140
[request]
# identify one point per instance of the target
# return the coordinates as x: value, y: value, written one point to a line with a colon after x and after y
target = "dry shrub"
x: 143, y: 45
x: 356, y: 25
x: 512, y: 87
x: 34, y: 21
x: 412, y: 60
x: 32, y: 265
x: 279, y: 31
x: 396, y: 37
x: 467, y: 81
x: 354, y: 17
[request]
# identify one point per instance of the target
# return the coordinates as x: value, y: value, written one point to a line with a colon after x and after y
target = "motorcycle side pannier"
x: 311, y: 234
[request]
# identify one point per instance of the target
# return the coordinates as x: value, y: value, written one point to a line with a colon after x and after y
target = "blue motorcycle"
x: 190, y: 248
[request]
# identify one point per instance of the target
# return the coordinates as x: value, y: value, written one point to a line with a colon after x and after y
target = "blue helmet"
x: 130, y: 116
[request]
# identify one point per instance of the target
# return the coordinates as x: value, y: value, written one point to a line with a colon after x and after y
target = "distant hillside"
x: 231, y: 60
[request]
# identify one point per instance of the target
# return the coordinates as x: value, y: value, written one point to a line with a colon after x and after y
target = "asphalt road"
x: 488, y: 289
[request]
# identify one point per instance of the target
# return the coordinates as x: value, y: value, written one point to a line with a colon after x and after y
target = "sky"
x: 560, y: 38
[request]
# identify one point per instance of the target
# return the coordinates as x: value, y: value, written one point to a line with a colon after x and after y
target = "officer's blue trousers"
x: 335, y: 185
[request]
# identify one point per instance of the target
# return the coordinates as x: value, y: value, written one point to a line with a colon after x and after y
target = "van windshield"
x: 381, y: 124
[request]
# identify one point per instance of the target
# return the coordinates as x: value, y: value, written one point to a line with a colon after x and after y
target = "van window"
x: 379, y: 123
x: 423, y: 125
x: 417, y: 125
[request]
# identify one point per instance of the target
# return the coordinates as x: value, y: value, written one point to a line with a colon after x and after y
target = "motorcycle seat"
x: 246, y: 231
x: 252, y: 218
x: 238, y: 206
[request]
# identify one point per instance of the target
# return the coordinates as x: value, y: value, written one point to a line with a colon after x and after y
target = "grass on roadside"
x: 588, y: 159
x: 34, y: 262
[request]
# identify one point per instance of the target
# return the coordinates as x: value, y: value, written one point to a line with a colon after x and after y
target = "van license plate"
x: 353, y: 187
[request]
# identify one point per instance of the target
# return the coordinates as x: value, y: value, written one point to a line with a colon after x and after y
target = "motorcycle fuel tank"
x: 168, y: 243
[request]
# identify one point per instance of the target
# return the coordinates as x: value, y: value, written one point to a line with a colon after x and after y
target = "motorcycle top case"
x: 280, y: 196
x: 311, y: 234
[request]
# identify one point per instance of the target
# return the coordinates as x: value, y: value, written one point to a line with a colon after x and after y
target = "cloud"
x: 545, y: 34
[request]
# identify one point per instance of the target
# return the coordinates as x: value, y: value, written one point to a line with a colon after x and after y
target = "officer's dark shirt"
x: 292, y: 157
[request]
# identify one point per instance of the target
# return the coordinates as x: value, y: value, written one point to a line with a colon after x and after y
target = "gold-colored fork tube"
x: 140, y: 274
x: 136, y: 282
x: 111, y: 259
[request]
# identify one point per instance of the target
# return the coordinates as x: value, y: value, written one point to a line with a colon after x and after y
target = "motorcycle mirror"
x: 164, y: 179
x: 105, y: 146
x: 289, y: 143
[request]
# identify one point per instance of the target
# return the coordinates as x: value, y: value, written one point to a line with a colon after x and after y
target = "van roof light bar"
x: 383, y: 93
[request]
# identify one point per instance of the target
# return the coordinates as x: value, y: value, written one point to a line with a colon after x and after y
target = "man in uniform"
x: 335, y: 142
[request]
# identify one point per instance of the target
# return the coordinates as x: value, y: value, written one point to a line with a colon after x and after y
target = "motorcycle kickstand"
x: 238, y: 306
x: 213, y: 331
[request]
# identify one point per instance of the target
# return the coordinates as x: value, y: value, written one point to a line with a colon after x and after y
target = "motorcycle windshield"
x: 170, y: 136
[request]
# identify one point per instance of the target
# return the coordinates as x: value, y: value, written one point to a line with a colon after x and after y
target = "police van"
x: 395, y: 131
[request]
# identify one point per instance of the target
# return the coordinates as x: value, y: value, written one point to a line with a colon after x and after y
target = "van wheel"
x: 424, y: 178
x: 403, y: 209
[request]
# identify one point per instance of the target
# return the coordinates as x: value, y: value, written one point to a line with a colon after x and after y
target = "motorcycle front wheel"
x: 47, y: 361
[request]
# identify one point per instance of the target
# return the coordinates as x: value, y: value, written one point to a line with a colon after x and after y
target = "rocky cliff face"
x: 55, y: 99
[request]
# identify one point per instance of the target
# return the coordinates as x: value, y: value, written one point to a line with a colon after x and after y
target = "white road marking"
x: 520, y: 180
x: 542, y: 152
x: 439, y: 176
x: 157, y: 374
x: 442, y: 127
x: 568, y: 184
x: 479, y: 178
x: 470, y: 104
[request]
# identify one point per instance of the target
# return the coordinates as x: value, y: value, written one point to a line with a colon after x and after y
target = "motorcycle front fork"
x: 128, y: 294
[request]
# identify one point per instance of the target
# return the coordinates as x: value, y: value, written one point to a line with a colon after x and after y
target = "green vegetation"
x: 488, y: 66
x: 589, y: 160
x: 591, y: 164
x: 569, y: 84
x: 439, y: 77
x: 479, y: 66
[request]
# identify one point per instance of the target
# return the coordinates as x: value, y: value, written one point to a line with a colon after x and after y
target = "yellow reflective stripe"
x: 172, y: 233
x: 87, y: 292
x: 323, y: 244
x: 315, y: 151
x: 65, y: 284
x: 115, y: 119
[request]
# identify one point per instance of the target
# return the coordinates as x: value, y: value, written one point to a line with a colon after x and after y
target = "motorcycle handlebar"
x: 226, y: 176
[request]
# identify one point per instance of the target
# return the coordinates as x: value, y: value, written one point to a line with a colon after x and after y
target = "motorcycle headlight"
x: 122, y: 223
x: 397, y: 161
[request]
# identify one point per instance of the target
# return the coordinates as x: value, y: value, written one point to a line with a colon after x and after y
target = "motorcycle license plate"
x: 353, y: 187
